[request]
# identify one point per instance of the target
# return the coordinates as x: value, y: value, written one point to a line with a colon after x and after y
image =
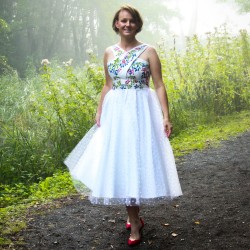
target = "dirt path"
x: 214, y: 212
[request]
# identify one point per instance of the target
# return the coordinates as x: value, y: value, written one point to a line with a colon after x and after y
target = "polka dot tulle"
x: 128, y: 159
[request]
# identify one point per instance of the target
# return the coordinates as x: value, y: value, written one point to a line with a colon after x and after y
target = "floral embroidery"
x: 138, y: 74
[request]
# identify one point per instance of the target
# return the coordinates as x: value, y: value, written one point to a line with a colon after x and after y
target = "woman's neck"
x: 128, y: 44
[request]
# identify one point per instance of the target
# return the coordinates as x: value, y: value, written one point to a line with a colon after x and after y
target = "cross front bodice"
x: 128, y: 70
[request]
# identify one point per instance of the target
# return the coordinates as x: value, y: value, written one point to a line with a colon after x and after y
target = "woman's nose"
x: 128, y: 23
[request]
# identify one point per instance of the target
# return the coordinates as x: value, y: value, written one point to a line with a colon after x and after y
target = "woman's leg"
x: 128, y: 221
x: 134, y: 219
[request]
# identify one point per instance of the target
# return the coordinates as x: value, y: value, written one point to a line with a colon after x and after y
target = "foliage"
x: 243, y: 4
x: 5, y: 68
x: 43, y: 123
x: 16, y: 200
x: 12, y: 194
x: 209, y: 80
x: 12, y: 220
x: 4, y: 31
x: 64, y: 29
x: 4, y: 46
x: 210, y: 135
x: 42, y: 195
x: 56, y: 186
x: 43, y: 117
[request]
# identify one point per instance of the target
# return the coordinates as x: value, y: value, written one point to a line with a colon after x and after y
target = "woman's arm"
x: 155, y: 68
x: 107, y: 86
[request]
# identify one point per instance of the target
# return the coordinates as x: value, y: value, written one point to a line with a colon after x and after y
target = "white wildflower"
x: 92, y: 65
x: 87, y: 63
x: 219, y: 58
x: 61, y: 80
x: 89, y: 51
x: 45, y: 62
x: 68, y: 63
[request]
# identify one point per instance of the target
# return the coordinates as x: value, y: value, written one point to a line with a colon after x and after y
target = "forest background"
x: 51, y: 75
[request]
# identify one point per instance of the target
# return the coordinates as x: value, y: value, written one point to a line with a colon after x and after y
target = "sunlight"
x: 209, y: 14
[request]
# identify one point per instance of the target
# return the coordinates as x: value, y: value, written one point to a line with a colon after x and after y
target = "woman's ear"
x: 117, y: 24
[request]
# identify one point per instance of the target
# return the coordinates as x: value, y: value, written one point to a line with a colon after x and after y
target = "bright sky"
x: 210, y: 14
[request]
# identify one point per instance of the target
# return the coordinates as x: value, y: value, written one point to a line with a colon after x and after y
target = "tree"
x: 64, y: 29
x: 243, y: 4
x: 4, y: 46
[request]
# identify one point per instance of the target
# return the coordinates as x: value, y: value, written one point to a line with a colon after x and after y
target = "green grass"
x: 209, y: 135
x: 12, y: 221
x: 13, y: 218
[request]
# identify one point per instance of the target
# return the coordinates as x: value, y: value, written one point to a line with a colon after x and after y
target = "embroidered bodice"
x: 127, y: 70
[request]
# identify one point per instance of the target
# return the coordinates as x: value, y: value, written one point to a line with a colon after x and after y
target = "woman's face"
x: 126, y: 24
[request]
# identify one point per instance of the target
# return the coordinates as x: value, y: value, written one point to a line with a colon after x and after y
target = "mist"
x: 62, y: 30
x: 200, y: 17
x: 197, y: 17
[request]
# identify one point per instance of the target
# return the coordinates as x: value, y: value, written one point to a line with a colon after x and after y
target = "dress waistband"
x: 129, y: 84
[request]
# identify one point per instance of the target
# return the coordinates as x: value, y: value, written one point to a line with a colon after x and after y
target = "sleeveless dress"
x: 128, y: 159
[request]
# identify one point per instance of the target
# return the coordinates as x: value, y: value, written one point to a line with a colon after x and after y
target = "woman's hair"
x: 133, y: 12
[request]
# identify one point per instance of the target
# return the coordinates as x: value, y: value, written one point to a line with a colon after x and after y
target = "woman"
x: 126, y: 158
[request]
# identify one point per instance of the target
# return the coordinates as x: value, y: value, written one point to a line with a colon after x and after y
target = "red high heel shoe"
x: 128, y: 226
x: 136, y: 242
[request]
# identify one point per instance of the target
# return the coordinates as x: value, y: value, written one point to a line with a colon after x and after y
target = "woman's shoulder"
x: 150, y: 47
x: 108, y: 51
x: 150, y: 50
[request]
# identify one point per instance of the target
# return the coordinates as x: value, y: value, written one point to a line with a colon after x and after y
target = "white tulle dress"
x: 128, y: 159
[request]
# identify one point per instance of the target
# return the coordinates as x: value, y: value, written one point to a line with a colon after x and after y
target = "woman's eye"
x: 125, y: 21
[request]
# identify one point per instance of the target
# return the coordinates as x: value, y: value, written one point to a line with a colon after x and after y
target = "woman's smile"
x: 126, y: 24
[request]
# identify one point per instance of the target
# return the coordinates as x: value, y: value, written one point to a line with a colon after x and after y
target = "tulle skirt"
x: 128, y: 159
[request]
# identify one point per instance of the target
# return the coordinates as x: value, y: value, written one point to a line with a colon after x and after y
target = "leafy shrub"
x: 58, y: 185
x: 54, y: 111
x: 12, y: 194
x: 210, y: 79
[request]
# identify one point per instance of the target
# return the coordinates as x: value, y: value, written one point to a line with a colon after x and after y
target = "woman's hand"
x: 167, y: 127
x: 97, y: 119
